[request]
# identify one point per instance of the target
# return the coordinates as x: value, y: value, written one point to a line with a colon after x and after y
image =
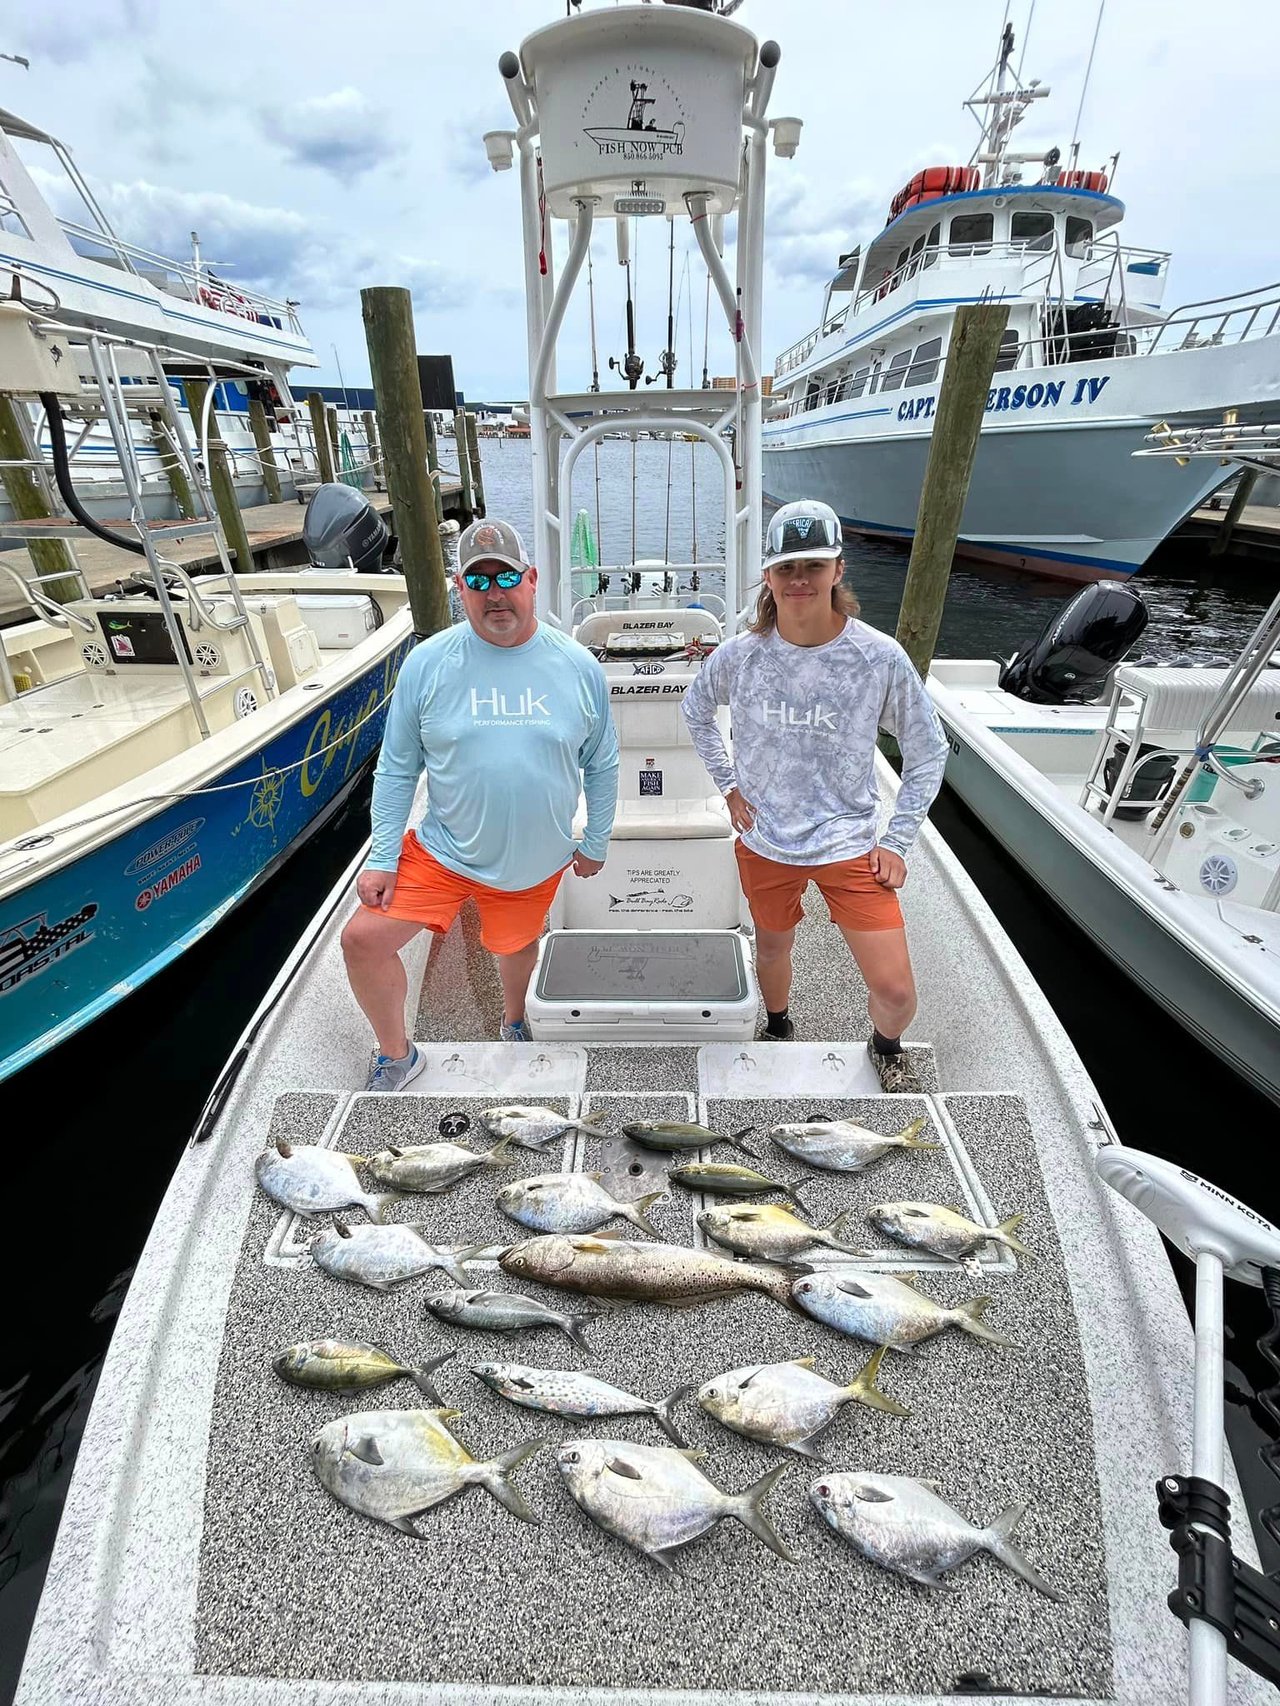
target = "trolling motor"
x: 1227, y: 1606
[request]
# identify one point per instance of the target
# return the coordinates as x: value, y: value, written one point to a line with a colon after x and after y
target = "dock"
x: 1254, y: 539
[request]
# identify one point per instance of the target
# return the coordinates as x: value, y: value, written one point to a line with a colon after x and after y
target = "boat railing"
x: 182, y: 278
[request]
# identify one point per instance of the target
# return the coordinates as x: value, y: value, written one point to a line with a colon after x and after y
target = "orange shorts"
x: 430, y: 894
x: 854, y: 898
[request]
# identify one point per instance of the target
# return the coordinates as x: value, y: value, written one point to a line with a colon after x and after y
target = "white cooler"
x: 660, y: 986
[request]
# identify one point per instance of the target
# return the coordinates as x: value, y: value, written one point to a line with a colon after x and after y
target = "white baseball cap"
x: 807, y: 528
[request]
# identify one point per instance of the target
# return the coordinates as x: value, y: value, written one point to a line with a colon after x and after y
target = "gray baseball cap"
x: 491, y: 542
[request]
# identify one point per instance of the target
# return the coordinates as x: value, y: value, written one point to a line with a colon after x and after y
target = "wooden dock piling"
x: 387, y: 313
x: 335, y: 438
x: 320, y: 437
x: 473, y: 455
x: 174, y: 471
x: 1240, y: 497
x: 371, y: 454
x: 433, y: 461
x: 966, y: 379
x: 220, y: 476
x: 266, y: 454
x: 462, y: 445
x: 29, y: 496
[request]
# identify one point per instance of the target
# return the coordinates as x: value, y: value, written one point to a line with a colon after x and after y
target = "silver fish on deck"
x: 842, y: 1146
x: 656, y: 1498
x: 943, y: 1231
x: 888, y: 1311
x: 572, y: 1202
x: 383, y: 1256
x: 786, y: 1403
x: 310, y: 1180
x: 771, y: 1233
x: 508, y: 1312
x: 339, y: 1365
x: 655, y: 1273
x: 724, y: 1178
x: 432, y: 1167
x: 394, y: 1465
x: 533, y: 1128
x: 902, y: 1525
x: 564, y: 1392
x: 667, y: 1136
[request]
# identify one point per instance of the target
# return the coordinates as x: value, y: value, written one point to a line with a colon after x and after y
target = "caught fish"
x: 508, y: 1312
x: 844, y: 1147
x: 311, y: 1180
x: 562, y: 1392
x: 394, y: 1465
x: 888, y: 1311
x: 533, y: 1128
x: 786, y: 1403
x: 943, y: 1231
x: 334, y: 1365
x: 668, y: 1136
x: 902, y: 1524
x: 656, y: 1498
x: 382, y: 1256
x: 604, y: 1266
x: 723, y: 1178
x: 769, y: 1232
x: 572, y: 1202
x: 433, y: 1166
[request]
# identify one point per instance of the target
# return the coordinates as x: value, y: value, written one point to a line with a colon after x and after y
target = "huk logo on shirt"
x: 792, y: 717
x: 498, y: 707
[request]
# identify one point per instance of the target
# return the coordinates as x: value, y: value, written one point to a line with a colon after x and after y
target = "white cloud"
x: 340, y: 133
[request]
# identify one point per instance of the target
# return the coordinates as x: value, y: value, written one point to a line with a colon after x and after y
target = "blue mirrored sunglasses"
x: 505, y: 578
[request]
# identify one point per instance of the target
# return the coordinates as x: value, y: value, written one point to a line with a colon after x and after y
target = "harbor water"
x: 96, y: 1129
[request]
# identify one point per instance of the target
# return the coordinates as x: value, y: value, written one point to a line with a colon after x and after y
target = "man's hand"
x: 741, y: 814
x: 887, y: 867
x: 375, y: 888
x: 584, y: 867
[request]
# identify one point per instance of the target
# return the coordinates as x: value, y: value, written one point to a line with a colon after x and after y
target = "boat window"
x: 1008, y: 356
x: 924, y: 365
x: 970, y: 234
x: 1032, y: 230
x: 833, y: 386
x: 1079, y: 236
x: 895, y: 373
x: 812, y: 394
x: 931, y: 246
x: 916, y: 247
x: 859, y: 382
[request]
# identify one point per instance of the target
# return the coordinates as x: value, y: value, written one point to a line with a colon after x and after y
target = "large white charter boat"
x: 1090, y: 362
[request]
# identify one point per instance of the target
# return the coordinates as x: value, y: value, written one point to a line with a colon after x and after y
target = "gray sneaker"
x: 516, y: 1033
x: 388, y: 1074
x: 896, y: 1074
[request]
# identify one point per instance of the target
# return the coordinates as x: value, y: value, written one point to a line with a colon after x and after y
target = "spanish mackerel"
x: 563, y: 1392
x: 604, y: 1266
x: 843, y: 1146
x: 311, y: 1180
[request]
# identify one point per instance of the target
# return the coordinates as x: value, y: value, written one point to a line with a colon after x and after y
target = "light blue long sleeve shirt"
x: 510, y: 737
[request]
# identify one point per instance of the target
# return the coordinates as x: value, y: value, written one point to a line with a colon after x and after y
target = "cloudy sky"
x: 321, y: 147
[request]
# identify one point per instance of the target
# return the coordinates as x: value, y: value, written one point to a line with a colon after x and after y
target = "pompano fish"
x: 604, y: 1266
x: 533, y: 1128
x: 844, y: 1147
x: 563, y: 1392
x: 943, y: 1231
x: 311, y: 1180
x: 887, y: 1311
x: 768, y: 1231
x: 786, y: 1403
x: 669, y: 1135
x: 336, y: 1365
x: 433, y: 1166
x: 572, y: 1202
x: 382, y: 1256
x: 656, y: 1498
x: 393, y: 1465
x: 902, y: 1525
x: 508, y: 1312
x: 723, y: 1178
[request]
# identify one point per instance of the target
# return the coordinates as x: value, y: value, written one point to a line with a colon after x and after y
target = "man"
x: 510, y: 720
x: 808, y: 688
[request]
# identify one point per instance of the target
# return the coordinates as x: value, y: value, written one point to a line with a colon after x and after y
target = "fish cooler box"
x: 643, y: 986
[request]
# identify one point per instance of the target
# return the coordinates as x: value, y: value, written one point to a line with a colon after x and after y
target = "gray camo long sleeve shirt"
x: 804, y: 723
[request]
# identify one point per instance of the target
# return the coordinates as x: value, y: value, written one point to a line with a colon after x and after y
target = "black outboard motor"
x: 342, y: 528
x: 1078, y: 646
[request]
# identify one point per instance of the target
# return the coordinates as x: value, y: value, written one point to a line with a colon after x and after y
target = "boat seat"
x: 700, y: 820
x: 689, y: 624
x: 1179, y: 699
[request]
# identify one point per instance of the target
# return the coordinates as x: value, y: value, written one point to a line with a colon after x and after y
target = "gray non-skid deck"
x: 291, y: 1584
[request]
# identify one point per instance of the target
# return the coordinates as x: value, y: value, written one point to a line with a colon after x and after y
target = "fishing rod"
x: 631, y: 367
x: 667, y: 360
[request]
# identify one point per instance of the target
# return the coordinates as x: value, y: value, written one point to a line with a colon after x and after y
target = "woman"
x: 808, y: 688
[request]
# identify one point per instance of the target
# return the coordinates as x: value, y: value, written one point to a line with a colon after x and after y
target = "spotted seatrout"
x: 654, y: 1273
